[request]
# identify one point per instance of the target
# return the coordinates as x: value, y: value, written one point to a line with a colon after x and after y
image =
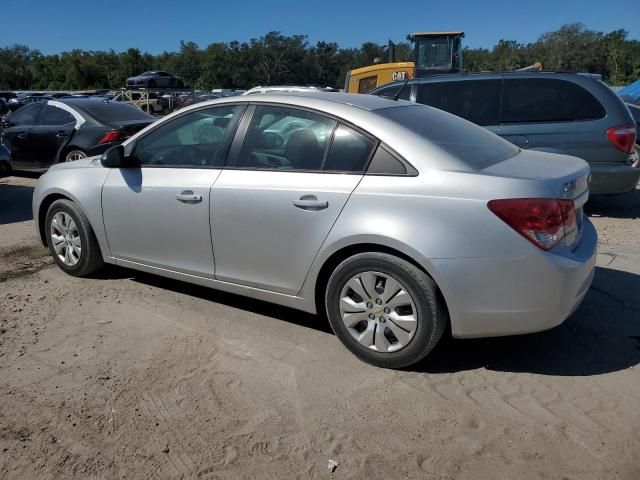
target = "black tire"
x: 90, y: 259
x: 431, y: 312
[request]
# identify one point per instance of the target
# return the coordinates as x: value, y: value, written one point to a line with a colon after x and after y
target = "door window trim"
x: 43, y: 109
x: 241, y: 131
x: 242, y: 113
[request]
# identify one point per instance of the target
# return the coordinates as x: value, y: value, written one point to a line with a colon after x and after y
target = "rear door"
x: 17, y: 136
x: 475, y: 100
x: 274, y: 205
x: 52, y: 131
x: 552, y: 114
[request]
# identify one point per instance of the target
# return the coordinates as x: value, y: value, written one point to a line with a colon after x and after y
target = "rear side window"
x: 282, y: 138
x: 385, y: 163
x: 530, y: 100
x: 475, y: 100
x: 349, y: 152
x: 471, y: 144
x: 51, y: 115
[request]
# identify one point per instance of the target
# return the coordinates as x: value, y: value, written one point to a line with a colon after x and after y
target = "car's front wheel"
x: 71, y: 239
x: 385, y: 309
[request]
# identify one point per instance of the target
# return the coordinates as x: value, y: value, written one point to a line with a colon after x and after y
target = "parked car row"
x: 51, y: 131
x: 565, y: 113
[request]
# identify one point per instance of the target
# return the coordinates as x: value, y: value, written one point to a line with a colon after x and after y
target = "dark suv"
x: 567, y: 113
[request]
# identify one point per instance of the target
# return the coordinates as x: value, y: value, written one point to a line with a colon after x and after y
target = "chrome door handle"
x: 22, y: 136
x: 62, y: 134
x: 310, y: 202
x: 188, y: 197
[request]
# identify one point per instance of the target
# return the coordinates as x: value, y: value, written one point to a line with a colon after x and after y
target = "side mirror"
x: 6, y: 124
x: 115, y: 158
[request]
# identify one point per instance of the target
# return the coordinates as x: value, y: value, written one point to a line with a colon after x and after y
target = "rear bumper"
x: 494, y: 297
x: 613, y: 178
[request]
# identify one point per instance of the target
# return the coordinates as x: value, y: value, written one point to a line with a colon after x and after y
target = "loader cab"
x: 437, y: 52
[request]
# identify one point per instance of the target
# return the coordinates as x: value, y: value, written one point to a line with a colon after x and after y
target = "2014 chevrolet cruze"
x: 394, y: 219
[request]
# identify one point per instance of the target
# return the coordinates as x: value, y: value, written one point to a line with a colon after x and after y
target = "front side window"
x: 25, y: 115
x: 282, y: 138
x: 475, y: 100
x: 197, y: 139
x: 51, y: 115
x: 530, y: 100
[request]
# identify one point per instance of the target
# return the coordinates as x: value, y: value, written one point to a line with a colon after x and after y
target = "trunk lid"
x: 568, y: 177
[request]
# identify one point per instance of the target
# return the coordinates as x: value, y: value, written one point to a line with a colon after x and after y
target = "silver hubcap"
x: 378, y: 311
x: 65, y: 239
x: 74, y: 155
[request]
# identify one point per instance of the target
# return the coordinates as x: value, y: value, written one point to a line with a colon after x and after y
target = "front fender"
x: 81, y: 185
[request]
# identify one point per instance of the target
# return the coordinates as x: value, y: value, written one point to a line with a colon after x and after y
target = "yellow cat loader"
x: 434, y: 53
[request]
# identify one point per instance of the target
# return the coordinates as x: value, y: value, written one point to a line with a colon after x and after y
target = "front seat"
x: 303, y: 151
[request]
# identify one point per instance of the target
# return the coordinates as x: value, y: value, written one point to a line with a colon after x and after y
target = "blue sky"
x: 159, y: 25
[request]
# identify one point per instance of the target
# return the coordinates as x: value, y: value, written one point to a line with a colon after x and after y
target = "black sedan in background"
x: 43, y: 133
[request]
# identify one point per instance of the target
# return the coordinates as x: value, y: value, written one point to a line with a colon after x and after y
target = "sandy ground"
x: 132, y: 376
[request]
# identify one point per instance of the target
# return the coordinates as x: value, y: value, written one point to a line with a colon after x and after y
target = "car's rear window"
x: 109, y: 112
x: 471, y: 144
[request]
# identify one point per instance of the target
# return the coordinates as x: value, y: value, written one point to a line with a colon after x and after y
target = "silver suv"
x: 565, y: 113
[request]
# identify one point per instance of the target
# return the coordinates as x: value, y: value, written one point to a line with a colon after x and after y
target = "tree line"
x: 276, y: 59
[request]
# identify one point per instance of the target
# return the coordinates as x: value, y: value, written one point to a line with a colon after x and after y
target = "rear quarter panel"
x: 437, y: 215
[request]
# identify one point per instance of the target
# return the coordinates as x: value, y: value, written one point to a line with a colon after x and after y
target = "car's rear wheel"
x: 71, y: 240
x: 385, y: 309
x: 74, y: 154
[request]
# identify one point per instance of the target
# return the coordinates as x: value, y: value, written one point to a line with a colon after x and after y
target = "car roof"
x: 313, y: 97
x: 82, y: 101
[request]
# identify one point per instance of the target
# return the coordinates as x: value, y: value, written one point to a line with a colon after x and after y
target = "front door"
x: 274, y: 206
x: 16, y: 136
x: 158, y: 214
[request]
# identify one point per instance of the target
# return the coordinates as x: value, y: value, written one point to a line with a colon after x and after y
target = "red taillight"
x: 622, y: 137
x: 542, y: 221
x: 114, y: 135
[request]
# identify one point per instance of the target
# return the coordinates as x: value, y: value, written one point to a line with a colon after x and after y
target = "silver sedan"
x: 397, y: 221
